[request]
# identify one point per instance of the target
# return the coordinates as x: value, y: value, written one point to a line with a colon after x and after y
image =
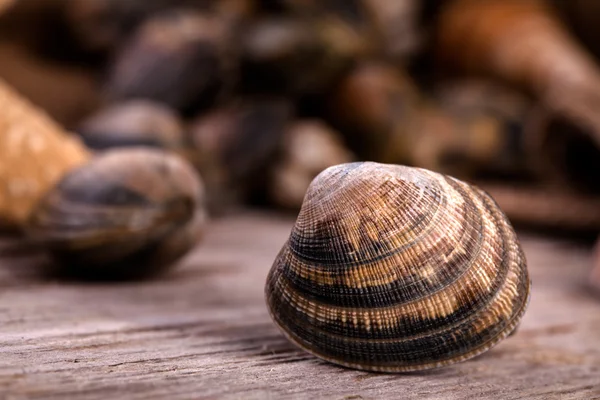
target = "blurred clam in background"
x: 251, y: 99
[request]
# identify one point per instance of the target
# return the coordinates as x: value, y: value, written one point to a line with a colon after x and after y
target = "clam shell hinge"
x: 392, y: 268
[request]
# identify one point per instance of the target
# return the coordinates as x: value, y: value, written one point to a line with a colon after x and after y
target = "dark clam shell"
x: 133, y: 123
x: 391, y: 268
x: 127, y: 213
x: 180, y: 58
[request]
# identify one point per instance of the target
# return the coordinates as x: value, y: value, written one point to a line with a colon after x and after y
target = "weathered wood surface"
x: 203, y: 331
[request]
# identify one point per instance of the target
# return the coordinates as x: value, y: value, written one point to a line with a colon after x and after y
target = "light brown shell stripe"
x: 465, y: 316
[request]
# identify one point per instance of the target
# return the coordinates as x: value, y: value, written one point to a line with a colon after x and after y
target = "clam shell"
x: 127, y: 213
x: 133, y: 123
x: 392, y: 268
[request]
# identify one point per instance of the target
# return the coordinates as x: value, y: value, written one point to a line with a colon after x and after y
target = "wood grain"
x: 203, y: 331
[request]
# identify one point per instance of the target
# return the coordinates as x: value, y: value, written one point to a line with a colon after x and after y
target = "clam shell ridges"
x: 392, y: 268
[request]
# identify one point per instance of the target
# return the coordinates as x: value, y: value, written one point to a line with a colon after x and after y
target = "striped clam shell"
x: 392, y: 268
x: 126, y: 213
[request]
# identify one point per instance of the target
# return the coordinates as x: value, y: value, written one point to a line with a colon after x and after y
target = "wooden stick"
x: 34, y: 154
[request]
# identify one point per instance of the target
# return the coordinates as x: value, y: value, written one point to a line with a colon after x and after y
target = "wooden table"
x: 203, y: 331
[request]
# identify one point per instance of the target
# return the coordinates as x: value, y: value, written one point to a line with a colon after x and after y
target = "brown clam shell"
x: 133, y: 123
x: 180, y: 58
x: 128, y: 213
x: 392, y: 268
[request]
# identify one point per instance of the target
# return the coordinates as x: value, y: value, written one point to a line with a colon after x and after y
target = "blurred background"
x: 261, y: 95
